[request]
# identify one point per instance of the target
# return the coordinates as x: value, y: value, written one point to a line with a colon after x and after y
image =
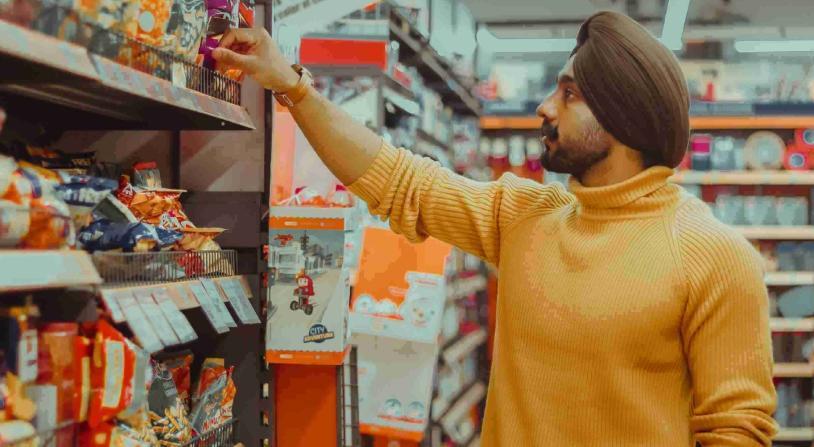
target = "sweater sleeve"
x: 726, y: 337
x: 423, y: 199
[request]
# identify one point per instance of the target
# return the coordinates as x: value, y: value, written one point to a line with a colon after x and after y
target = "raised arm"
x: 418, y: 196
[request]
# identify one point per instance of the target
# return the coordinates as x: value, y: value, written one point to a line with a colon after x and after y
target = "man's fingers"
x: 244, y: 36
x: 226, y: 58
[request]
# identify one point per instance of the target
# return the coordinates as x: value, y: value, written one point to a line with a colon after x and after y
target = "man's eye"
x: 569, y: 93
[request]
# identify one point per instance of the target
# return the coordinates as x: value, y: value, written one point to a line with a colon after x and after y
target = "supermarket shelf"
x: 792, y: 324
x: 27, y: 270
x: 463, y: 346
x: 180, y: 293
x: 415, y: 50
x: 696, y: 122
x: 464, y: 287
x: 46, y: 77
x: 794, y: 369
x: 750, y: 122
x: 510, y: 122
x: 744, y: 178
x: 461, y: 407
x: 795, y: 434
x: 789, y: 278
x: 777, y: 232
x: 399, y: 95
x: 427, y: 138
x: 440, y: 407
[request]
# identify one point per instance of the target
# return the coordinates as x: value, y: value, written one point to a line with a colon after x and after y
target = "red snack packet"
x: 112, y: 372
x: 179, y: 367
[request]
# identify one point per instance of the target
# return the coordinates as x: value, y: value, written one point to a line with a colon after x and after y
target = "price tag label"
x: 183, y: 329
x: 109, y: 298
x: 138, y: 323
x: 233, y: 288
x: 156, y: 317
x: 208, y: 308
x: 217, y: 300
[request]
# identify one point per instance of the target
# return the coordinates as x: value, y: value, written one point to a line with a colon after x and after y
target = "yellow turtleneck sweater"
x: 627, y: 315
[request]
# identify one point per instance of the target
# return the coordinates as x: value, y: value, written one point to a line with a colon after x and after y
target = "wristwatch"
x: 292, y: 97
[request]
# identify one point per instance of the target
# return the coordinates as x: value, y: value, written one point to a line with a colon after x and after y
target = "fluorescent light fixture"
x: 674, y: 20
x: 489, y: 42
x: 773, y: 46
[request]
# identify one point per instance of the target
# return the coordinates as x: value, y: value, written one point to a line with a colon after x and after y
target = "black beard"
x: 574, y: 157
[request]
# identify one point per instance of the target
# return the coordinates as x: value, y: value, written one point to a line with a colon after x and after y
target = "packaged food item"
x: 150, y: 205
x: 104, y: 235
x: 141, y: 381
x: 56, y: 364
x: 340, y: 197
x: 83, y: 350
x: 199, y: 239
x: 214, y: 396
x: 153, y: 18
x: 146, y: 175
x: 222, y: 15
x: 112, y: 370
x: 83, y: 193
x: 114, y: 210
x: 178, y: 366
x: 17, y: 404
x: 18, y: 341
x: 187, y: 24
x: 108, y: 434
x: 246, y: 10
x: 73, y: 164
x: 168, y: 414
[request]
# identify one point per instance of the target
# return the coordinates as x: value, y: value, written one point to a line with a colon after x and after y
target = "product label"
x: 84, y: 389
x: 175, y: 317
x: 138, y: 323
x: 208, y: 308
x: 217, y: 301
x: 109, y: 298
x: 114, y: 371
x: 27, y: 356
x: 233, y: 288
x: 14, y: 220
x: 156, y: 318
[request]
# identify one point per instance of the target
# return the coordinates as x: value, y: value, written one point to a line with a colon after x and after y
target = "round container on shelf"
x: 764, y: 150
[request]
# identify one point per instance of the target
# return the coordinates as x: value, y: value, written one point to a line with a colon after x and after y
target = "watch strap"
x: 291, y: 97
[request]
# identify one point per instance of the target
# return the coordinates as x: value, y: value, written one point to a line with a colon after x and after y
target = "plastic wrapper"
x: 179, y: 367
x: 109, y: 434
x: 153, y: 18
x: 222, y: 15
x: 112, y: 209
x: 199, y: 239
x: 246, y: 10
x: 187, y: 24
x: 104, y: 235
x: 112, y: 370
x: 83, y: 193
x: 57, y: 366
x: 146, y: 175
x: 214, y: 396
x: 74, y: 163
x: 140, y: 383
x: 18, y: 341
x: 168, y: 415
x: 15, y: 403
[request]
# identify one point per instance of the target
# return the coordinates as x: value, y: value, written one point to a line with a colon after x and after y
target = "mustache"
x: 549, y: 131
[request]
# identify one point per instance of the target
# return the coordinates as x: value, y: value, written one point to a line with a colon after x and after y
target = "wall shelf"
x: 794, y: 370
x: 429, y: 139
x: 461, y: 407
x: 795, y: 434
x: 463, y: 346
x: 46, y: 78
x: 28, y: 270
x: 792, y: 324
x: 181, y: 294
x: 744, y: 178
x: 789, y: 278
x: 777, y: 232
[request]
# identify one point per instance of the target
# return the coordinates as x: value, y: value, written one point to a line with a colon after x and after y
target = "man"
x: 627, y: 315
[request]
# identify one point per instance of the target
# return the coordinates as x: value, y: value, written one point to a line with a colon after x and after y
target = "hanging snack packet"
x: 56, y: 365
x: 179, y: 367
x: 214, y: 396
x: 168, y: 414
x: 104, y: 235
x: 83, y: 350
x: 112, y: 370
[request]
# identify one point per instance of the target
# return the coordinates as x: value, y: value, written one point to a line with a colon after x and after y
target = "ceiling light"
x: 773, y: 46
x: 489, y: 42
x: 674, y: 20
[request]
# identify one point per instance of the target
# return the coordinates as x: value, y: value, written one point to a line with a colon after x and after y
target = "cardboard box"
x: 307, y: 320
x: 400, y: 289
x: 392, y: 403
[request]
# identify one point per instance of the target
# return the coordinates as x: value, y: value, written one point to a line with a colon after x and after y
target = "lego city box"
x: 307, y: 318
x: 400, y: 290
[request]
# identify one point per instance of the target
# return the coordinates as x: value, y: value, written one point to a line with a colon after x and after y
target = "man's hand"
x: 255, y: 53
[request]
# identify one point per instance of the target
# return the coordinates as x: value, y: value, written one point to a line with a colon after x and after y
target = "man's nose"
x: 546, y: 109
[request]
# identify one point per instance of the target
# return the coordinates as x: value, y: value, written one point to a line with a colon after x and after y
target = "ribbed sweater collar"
x: 644, y: 194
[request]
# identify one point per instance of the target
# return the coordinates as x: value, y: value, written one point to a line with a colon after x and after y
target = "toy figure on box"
x: 304, y: 292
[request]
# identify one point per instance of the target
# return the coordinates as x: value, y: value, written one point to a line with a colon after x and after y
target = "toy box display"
x: 392, y: 403
x: 400, y: 289
x: 307, y: 320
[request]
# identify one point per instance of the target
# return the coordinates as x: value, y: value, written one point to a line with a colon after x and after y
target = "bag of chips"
x: 178, y: 366
x: 199, y: 239
x: 112, y: 370
x: 146, y: 175
x: 83, y: 193
x: 104, y: 235
x: 83, y: 350
x: 168, y: 415
x: 214, y: 396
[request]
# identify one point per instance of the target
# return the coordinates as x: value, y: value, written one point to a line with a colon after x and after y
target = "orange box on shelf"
x: 317, y: 51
